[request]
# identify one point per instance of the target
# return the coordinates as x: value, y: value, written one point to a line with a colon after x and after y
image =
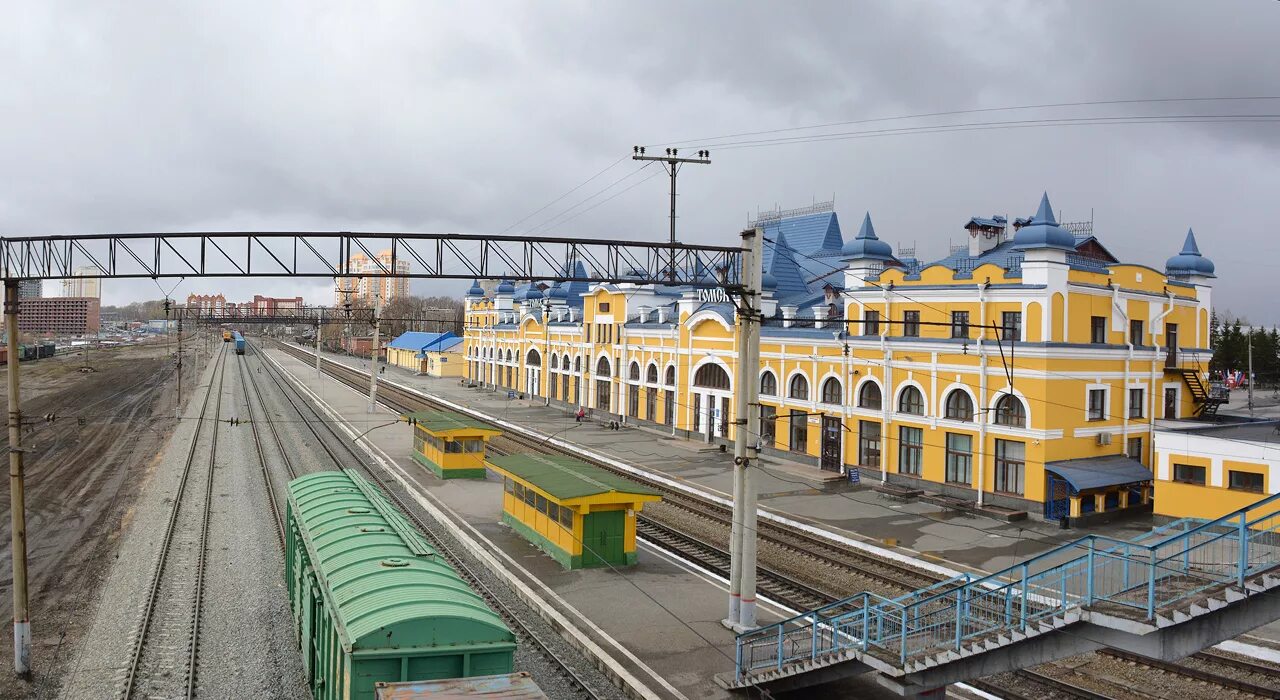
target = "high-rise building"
x: 378, y: 279
x: 59, y: 315
x: 80, y: 285
x: 30, y: 289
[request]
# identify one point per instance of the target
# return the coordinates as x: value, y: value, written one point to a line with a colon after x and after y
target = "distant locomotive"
x: 239, y: 342
x: 226, y: 336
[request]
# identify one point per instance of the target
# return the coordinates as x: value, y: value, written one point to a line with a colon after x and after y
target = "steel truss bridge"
x: 328, y: 254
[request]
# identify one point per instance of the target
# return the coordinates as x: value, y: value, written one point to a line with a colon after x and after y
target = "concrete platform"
x: 664, y: 614
x: 957, y: 540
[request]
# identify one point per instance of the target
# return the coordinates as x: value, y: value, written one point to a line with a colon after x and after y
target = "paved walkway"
x: 955, y: 540
x: 658, y: 610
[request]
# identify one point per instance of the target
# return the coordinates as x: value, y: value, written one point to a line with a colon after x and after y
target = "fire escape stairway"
x: 1206, y: 398
x: 1169, y: 593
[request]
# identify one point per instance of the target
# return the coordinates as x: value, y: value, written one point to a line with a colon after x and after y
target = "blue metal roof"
x: 425, y: 342
x: 810, y: 233
x: 1100, y: 472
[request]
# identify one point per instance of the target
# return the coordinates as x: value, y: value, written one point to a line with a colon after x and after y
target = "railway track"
x: 352, y: 457
x: 167, y: 644
x: 277, y: 513
x: 898, y: 577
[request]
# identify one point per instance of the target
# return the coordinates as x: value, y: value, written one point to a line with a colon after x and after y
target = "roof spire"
x: 1189, y: 246
x: 1045, y: 213
x: 867, y: 232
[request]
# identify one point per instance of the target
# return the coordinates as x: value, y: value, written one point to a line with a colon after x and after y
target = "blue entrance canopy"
x: 1099, y: 472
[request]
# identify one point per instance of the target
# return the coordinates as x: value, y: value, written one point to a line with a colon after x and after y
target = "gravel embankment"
x: 247, y: 644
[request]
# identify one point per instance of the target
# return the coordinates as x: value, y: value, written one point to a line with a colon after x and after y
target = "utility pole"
x: 373, y: 365
x: 1251, y: 371
x: 319, y: 325
x: 672, y: 162
x: 742, y: 538
x: 17, y: 491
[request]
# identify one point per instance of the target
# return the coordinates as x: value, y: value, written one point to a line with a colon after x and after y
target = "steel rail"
x: 1196, y: 673
x: 454, y: 558
x: 886, y: 571
x: 262, y: 457
x: 162, y: 559
x: 410, y: 401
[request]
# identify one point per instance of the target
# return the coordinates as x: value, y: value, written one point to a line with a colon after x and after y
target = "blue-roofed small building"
x: 432, y: 354
x: 1001, y: 371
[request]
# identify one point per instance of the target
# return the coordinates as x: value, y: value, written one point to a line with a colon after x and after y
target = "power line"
x: 558, y: 218
x: 1015, y: 124
x: 923, y: 115
x: 575, y: 188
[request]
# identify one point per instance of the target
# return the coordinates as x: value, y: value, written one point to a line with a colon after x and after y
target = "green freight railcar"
x: 372, y: 601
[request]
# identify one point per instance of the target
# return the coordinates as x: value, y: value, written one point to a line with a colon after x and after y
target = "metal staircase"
x: 1207, y: 397
x: 1129, y: 591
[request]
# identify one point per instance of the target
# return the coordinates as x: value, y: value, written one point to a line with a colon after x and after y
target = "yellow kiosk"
x: 581, y: 515
x: 450, y: 444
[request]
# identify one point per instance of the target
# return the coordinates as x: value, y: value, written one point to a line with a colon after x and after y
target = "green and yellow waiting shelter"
x: 450, y: 444
x: 581, y: 515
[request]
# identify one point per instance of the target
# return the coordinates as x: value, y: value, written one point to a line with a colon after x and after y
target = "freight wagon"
x: 239, y: 342
x: 372, y: 602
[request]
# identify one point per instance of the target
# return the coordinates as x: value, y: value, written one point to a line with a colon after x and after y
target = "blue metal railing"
x: 1169, y: 564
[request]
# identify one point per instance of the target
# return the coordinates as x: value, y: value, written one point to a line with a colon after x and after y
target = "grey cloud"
x: 418, y: 116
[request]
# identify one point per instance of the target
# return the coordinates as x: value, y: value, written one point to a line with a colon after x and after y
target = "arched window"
x: 509, y: 355
x: 533, y: 359
x: 959, y: 406
x: 651, y: 376
x: 869, y: 396
x: 671, y: 376
x: 555, y: 362
x: 633, y: 373
x: 769, y: 384
x: 711, y: 376
x: 602, y: 367
x: 911, y: 401
x: 799, y: 388
x: 564, y: 362
x: 832, y: 392
x: 1011, y: 412
x: 577, y: 365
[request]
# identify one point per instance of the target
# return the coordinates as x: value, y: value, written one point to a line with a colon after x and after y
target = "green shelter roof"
x: 387, y: 587
x: 566, y: 477
x: 440, y: 422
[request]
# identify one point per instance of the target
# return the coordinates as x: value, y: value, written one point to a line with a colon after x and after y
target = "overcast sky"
x: 467, y: 117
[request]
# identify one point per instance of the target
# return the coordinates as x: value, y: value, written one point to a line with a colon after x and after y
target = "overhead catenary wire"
x: 573, y: 189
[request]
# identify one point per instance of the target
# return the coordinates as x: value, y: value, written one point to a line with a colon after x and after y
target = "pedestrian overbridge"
x: 1165, y: 595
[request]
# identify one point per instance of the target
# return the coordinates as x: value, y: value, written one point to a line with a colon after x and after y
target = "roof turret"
x: 866, y: 244
x: 1043, y: 231
x: 1189, y: 261
x: 475, y: 290
x: 506, y: 287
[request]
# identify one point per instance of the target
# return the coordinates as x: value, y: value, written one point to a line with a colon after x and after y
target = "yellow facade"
x: 1211, y: 472
x: 648, y: 357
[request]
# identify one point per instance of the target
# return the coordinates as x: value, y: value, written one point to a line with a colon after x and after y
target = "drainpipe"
x: 675, y: 331
x: 1156, y: 390
x: 1124, y: 418
x: 848, y: 394
x: 982, y: 415
x: 886, y: 397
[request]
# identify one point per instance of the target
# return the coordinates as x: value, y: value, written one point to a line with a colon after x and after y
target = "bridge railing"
x: 1157, y: 569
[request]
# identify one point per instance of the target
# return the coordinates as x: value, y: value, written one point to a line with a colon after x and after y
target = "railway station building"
x: 579, y: 514
x: 997, y: 375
